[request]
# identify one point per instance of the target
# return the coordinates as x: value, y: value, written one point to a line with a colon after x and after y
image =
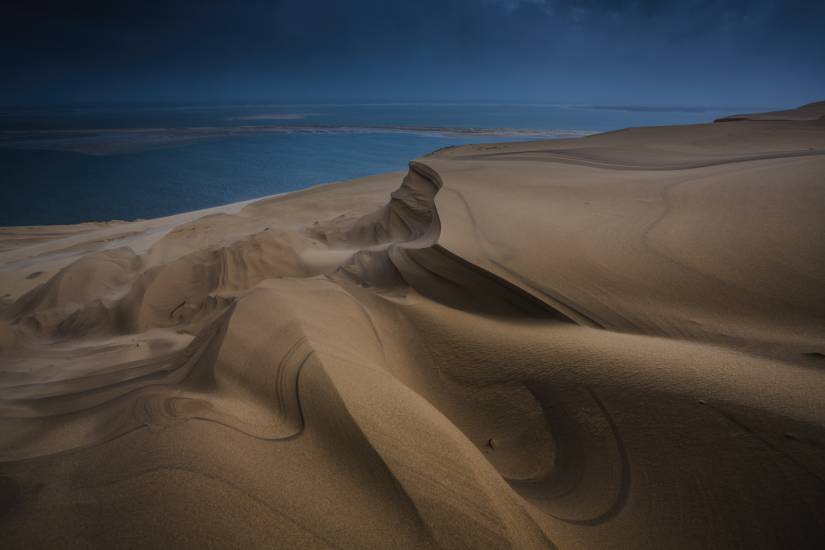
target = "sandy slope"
x: 809, y: 111
x: 608, y: 342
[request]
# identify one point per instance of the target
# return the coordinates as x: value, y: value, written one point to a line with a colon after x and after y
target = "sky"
x: 767, y: 53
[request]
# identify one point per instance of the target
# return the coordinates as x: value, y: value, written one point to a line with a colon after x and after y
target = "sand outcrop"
x: 609, y: 342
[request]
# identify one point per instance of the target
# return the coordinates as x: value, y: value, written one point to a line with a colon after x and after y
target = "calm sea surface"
x: 77, y: 164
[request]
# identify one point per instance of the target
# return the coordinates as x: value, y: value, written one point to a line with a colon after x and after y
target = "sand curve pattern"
x: 607, y: 342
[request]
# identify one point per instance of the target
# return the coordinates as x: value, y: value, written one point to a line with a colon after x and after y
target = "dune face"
x: 810, y: 111
x: 609, y: 342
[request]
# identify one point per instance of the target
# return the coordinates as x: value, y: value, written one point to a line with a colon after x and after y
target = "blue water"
x: 52, y: 179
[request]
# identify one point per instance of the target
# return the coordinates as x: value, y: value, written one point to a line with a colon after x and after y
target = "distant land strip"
x: 104, y: 141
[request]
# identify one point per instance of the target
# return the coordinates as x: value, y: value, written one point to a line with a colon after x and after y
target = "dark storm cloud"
x: 757, y: 52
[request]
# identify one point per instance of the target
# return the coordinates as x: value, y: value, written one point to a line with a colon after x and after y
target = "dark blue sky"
x: 605, y: 52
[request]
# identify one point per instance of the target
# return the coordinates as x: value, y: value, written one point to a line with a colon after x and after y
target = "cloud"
x: 513, y: 5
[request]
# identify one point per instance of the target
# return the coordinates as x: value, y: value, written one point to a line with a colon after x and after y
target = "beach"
x: 612, y: 341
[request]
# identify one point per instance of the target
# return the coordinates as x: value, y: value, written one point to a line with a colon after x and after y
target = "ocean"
x: 73, y: 164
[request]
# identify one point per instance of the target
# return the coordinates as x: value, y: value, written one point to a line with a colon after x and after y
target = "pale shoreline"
x: 109, y: 141
x: 615, y: 341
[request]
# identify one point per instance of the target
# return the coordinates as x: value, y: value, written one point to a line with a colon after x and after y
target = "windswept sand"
x: 616, y: 341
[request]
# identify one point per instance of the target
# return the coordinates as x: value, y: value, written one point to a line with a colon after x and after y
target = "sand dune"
x: 607, y: 342
x: 809, y: 111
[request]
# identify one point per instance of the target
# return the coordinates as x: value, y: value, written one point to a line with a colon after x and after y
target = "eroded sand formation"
x: 609, y: 342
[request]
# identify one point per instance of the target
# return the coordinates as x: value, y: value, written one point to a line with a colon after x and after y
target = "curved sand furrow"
x: 580, y: 160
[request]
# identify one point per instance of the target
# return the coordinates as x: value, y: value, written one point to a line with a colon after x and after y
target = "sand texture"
x: 615, y: 341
